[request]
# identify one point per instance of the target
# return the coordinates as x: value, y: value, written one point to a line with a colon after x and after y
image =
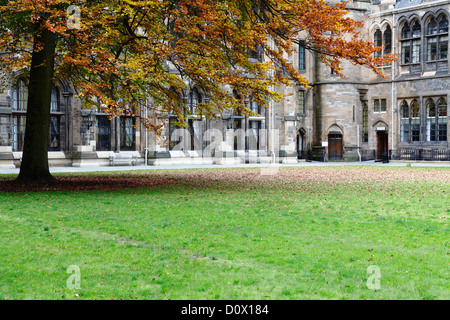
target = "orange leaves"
x: 134, y: 51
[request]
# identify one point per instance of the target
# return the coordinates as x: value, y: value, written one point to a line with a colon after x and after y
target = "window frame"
x: 301, y: 102
x: 19, y: 96
x: 19, y: 103
x: 124, y: 135
x: 436, y: 121
x: 301, y: 56
x: 411, y: 43
x: 365, y: 122
x: 193, y: 106
x: 405, y: 127
x: 436, y: 39
x: 380, y: 105
x: 414, y: 120
x: 382, y: 37
x: 55, y: 120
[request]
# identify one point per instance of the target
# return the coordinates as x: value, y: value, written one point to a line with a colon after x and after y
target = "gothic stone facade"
x: 363, y: 116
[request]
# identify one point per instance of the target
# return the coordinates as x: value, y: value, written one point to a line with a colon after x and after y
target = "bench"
x: 122, y: 158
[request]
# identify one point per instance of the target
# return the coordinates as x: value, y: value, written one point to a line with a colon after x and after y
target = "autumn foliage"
x: 122, y: 56
x: 121, y: 51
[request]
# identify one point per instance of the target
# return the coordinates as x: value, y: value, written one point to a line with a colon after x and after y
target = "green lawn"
x: 306, y: 233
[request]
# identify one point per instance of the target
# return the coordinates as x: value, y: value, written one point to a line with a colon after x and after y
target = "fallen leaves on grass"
x: 88, y: 182
x: 248, y: 178
x: 332, y: 175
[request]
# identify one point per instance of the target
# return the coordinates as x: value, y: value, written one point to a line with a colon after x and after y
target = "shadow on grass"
x: 86, y: 183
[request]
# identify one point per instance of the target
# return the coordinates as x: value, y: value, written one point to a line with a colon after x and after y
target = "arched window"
x: 404, y: 121
x: 415, y: 120
x: 431, y: 41
x: 54, y: 104
x: 383, y: 39
x: 410, y: 121
x: 415, y: 43
x: 405, y: 32
x: 410, y: 43
x: 432, y: 27
x: 405, y: 44
x: 437, y: 39
x: 55, y: 121
x: 437, y: 120
x: 377, y: 37
x: 301, y: 56
x: 431, y: 120
x: 442, y: 120
x: 443, y: 38
x: 194, y: 126
x: 19, y: 97
x: 365, y: 122
x: 415, y: 29
x: 387, y: 40
x: 195, y: 100
x: 443, y: 24
x: 19, y: 101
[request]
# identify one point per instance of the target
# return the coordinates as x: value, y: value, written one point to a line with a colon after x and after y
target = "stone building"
x: 362, y: 116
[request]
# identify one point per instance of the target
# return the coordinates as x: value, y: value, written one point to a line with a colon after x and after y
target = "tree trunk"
x: 34, y: 167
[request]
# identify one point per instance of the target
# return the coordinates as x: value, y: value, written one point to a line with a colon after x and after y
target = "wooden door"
x: 335, y: 146
x: 382, y: 145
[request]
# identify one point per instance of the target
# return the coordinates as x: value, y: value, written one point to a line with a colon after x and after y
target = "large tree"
x: 119, y: 53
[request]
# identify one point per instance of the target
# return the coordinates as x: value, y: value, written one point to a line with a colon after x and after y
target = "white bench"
x: 122, y: 158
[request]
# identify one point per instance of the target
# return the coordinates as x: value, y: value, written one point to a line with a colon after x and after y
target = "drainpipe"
x: 359, y: 153
x: 146, y: 133
x: 272, y: 121
x: 66, y: 102
x: 394, y: 28
x: 117, y: 134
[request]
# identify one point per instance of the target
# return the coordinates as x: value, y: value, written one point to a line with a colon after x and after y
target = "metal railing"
x: 423, y: 154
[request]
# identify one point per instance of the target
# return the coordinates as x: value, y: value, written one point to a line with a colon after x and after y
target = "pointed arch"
x: 195, y: 99
x: 365, y: 122
x: 387, y: 40
x: 415, y: 120
x: 436, y: 119
x: 19, y: 95
x: 404, y: 121
x: 378, y: 41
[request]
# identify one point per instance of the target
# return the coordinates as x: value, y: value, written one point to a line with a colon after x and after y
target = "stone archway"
x: 335, y: 143
x: 300, y: 146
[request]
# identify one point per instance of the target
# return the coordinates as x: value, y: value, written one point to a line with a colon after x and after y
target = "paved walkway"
x: 204, y: 166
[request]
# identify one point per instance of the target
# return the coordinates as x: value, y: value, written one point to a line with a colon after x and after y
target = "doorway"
x: 335, y: 146
x: 382, y: 145
x: 300, y: 150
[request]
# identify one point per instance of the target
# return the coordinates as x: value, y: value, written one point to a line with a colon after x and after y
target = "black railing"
x: 423, y: 154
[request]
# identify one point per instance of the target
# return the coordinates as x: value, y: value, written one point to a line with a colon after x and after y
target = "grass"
x: 222, y: 234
